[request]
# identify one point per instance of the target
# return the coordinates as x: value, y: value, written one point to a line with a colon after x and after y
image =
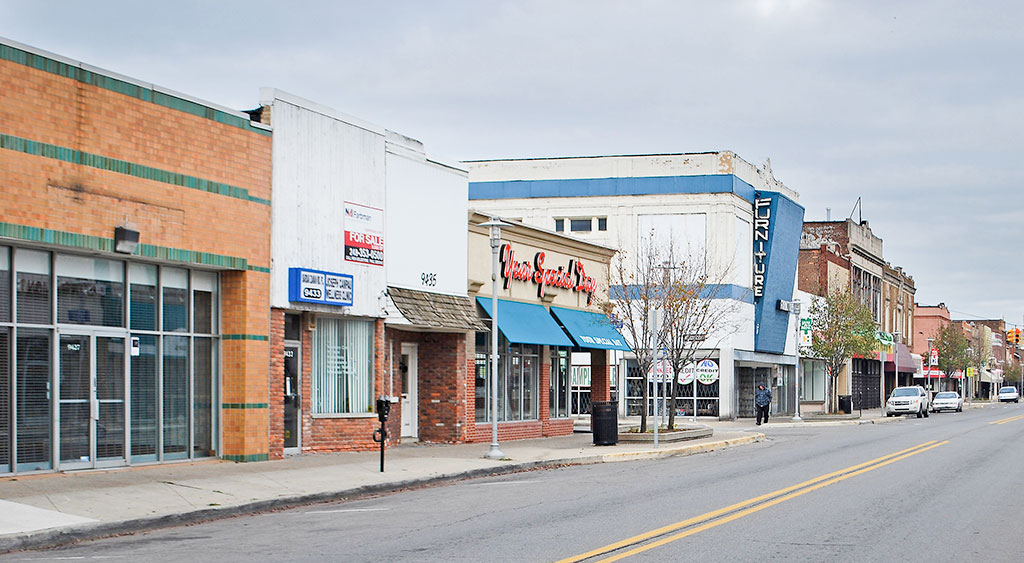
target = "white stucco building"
x: 714, y: 206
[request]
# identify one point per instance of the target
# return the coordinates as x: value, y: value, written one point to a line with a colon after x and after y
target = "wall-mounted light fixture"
x: 125, y: 240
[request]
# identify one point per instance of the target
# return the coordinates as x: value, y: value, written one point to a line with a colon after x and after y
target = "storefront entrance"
x: 91, y: 400
x: 410, y: 410
x: 292, y: 399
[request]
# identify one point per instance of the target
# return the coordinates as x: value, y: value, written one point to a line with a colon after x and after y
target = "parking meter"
x: 381, y: 434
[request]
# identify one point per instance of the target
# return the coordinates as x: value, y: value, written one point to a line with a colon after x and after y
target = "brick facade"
x: 82, y: 153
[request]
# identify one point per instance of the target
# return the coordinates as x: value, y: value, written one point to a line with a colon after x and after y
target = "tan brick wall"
x: 49, y: 193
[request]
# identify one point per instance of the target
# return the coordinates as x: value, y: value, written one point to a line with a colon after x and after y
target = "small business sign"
x: 661, y: 371
x: 315, y: 286
x: 705, y: 371
x: 580, y: 376
x: 572, y: 276
x: 364, y: 234
x: 806, y: 337
x: 687, y: 375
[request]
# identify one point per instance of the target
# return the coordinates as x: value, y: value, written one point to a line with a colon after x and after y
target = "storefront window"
x: 33, y: 275
x: 5, y: 399
x: 142, y: 296
x: 342, y: 366
x: 812, y: 380
x: 90, y: 291
x: 33, y: 405
x: 144, y: 396
x: 175, y: 397
x: 175, y: 297
x: 5, y: 284
x: 168, y: 397
x: 204, y: 302
x: 518, y: 380
x: 202, y: 398
x: 559, y: 392
x: 482, y: 380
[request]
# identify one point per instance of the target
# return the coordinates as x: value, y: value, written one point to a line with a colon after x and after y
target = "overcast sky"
x: 915, y: 107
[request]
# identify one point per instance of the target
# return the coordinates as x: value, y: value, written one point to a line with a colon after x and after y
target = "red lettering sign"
x: 573, y: 277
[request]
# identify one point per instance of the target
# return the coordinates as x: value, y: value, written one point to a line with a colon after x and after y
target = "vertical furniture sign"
x: 364, y: 234
x: 762, y: 224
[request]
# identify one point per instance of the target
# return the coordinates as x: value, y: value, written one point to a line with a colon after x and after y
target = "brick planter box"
x: 678, y: 435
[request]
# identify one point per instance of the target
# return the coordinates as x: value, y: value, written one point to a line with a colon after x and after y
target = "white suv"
x: 907, y: 400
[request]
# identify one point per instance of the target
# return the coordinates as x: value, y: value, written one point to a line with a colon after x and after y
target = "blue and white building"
x: 734, y: 216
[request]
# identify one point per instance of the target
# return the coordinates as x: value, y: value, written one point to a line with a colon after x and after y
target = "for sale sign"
x: 364, y: 234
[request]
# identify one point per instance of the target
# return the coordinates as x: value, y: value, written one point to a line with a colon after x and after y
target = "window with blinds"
x: 142, y: 294
x: 33, y: 281
x: 33, y: 404
x: 5, y: 400
x: 342, y: 366
x: 175, y: 397
x: 5, y: 284
x: 144, y: 394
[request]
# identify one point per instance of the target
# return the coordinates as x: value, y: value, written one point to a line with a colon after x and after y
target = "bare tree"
x: 636, y: 294
x: 696, y: 318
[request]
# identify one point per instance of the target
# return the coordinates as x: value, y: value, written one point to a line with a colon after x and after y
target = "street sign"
x: 806, y: 336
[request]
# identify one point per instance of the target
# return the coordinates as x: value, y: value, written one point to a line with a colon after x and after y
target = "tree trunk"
x: 674, y: 386
x: 643, y: 410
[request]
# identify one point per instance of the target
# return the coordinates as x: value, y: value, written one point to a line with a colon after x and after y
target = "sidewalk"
x: 59, y: 508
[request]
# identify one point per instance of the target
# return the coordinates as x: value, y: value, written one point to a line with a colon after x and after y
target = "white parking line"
x: 504, y: 483
x: 343, y: 510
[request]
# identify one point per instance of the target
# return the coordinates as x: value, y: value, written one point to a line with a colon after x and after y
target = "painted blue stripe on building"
x: 584, y: 187
x: 724, y: 291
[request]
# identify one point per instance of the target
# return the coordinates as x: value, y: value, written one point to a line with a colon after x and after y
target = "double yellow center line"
x: 1005, y: 420
x: 679, y: 530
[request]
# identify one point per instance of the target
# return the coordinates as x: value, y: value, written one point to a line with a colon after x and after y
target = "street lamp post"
x: 963, y: 378
x: 895, y: 361
x: 495, y: 225
x: 928, y: 379
x: 796, y: 370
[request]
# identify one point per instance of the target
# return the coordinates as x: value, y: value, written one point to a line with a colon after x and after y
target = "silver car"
x: 1009, y: 393
x: 947, y: 401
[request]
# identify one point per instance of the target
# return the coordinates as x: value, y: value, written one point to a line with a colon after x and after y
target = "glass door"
x: 91, y: 405
x: 292, y: 400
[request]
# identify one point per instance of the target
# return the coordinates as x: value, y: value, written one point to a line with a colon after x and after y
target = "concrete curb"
x: 92, y: 531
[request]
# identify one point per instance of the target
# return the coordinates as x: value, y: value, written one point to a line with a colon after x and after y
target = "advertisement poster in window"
x: 364, y: 234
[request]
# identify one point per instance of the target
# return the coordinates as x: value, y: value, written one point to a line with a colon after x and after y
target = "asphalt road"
x: 945, y: 488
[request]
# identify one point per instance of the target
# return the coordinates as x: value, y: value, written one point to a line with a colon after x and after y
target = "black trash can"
x: 846, y: 404
x: 605, y: 423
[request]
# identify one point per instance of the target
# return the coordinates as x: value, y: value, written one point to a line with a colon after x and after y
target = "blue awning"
x: 526, y: 323
x: 590, y: 330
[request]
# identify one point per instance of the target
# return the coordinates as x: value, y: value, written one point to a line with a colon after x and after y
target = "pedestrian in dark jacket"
x: 762, y: 400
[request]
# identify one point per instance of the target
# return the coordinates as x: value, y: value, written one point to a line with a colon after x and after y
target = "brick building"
x: 557, y: 350
x: 111, y: 352
x: 848, y: 256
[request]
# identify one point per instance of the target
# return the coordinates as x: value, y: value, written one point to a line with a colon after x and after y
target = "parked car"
x: 907, y: 400
x: 947, y: 401
x: 1008, y: 394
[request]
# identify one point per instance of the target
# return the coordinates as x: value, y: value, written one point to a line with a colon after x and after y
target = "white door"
x: 407, y: 366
